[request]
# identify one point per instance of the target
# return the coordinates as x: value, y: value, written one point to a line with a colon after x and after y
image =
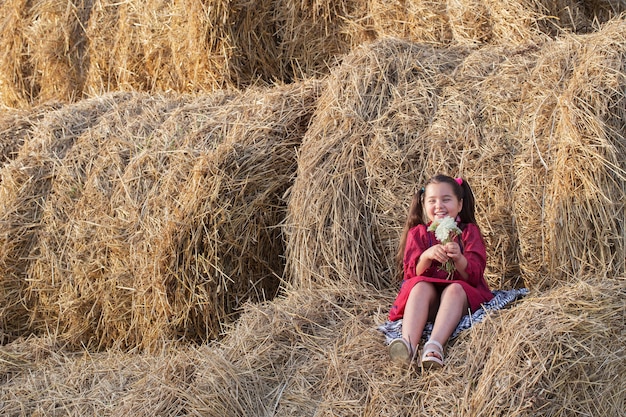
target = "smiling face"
x: 440, y: 201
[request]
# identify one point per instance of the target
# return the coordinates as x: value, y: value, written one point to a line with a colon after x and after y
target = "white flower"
x: 445, y: 228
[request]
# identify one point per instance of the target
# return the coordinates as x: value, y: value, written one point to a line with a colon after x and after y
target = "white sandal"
x: 400, y: 351
x: 432, y: 362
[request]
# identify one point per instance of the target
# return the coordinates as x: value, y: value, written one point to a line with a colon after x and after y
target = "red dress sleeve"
x: 416, y: 244
x: 475, y: 253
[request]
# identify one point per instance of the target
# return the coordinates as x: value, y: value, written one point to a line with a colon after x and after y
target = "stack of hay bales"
x: 69, y: 50
x: 130, y: 222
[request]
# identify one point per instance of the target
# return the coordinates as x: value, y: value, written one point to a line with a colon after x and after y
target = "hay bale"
x: 570, y: 181
x: 360, y: 158
x: 165, y: 217
x: 480, y: 22
x: 472, y: 135
x: 57, y: 47
x: 556, y: 351
x: 187, y: 46
x: 114, y: 49
x: 459, y: 22
x: 26, y: 184
x: 70, y: 50
x: 317, y: 351
x: 15, y: 74
x: 72, y: 279
x: 220, y: 242
x: 313, y: 35
x: 477, y: 115
x: 45, y: 47
x: 393, y: 115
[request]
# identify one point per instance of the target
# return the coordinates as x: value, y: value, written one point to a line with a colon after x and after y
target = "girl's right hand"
x: 435, y: 253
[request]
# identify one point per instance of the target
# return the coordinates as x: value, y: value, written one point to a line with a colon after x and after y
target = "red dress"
x: 418, y: 240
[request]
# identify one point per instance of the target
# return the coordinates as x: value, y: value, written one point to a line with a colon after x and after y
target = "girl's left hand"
x: 453, y: 250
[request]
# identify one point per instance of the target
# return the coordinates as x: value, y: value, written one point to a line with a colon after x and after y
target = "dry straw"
x: 26, y: 184
x: 16, y: 125
x: 570, y: 167
x: 185, y: 46
x: 316, y: 352
x: 68, y: 50
x: 313, y: 35
x: 396, y: 113
x: 154, y: 223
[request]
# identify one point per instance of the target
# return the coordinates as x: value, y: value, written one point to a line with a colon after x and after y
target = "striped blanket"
x: 393, y: 329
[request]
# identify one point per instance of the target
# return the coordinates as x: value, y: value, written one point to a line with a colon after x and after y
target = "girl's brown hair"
x: 415, y: 216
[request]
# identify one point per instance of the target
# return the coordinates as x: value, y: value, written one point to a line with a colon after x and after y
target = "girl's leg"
x: 452, y: 306
x: 422, y: 300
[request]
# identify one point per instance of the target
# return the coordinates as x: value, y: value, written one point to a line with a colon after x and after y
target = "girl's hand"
x: 436, y: 253
x: 453, y: 250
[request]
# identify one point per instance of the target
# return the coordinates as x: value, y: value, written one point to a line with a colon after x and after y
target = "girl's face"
x: 440, y: 201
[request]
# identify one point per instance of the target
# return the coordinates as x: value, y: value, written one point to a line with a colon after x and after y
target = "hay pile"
x: 316, y: 353
x: 70, y: 50
x: 185, y: 46
x: 132, y: 225
x: 153, y: 220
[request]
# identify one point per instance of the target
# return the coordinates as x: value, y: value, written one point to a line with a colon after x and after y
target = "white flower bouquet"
x: 446, y: 230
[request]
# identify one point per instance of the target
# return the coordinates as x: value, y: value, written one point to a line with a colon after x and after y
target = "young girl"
x: 426, y: 293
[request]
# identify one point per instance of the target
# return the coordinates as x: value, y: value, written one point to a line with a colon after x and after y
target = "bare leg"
x: 452, y: 307
x: 422, y: 299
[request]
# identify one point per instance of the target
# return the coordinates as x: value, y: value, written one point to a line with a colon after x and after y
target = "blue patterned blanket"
x: 393, y: 329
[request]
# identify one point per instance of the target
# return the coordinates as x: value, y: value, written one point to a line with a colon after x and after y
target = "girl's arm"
x: 471, y: 263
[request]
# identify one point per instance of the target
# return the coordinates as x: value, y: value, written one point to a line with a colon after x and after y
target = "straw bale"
x: 479, y: 22
x: 15, y: 74
x: 115, y: 51
x: 361, y: 157
x: 222, y: 243
x: 26, y: 184
x: 472, y: 135
x: 185, y: 46
x: 464, y: 22
x: 164, y: 217
x: 72, y: 276
x: 57, y: 47
x: 480, y: 117
x: 393, y: 115
x: 316, y: 352
x: 570, y: 170
x: 312, y: 35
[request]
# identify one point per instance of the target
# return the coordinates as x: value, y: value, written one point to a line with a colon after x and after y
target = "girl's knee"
x: 424, y: 287
x: 455, y: 290
x: 424, y: 291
